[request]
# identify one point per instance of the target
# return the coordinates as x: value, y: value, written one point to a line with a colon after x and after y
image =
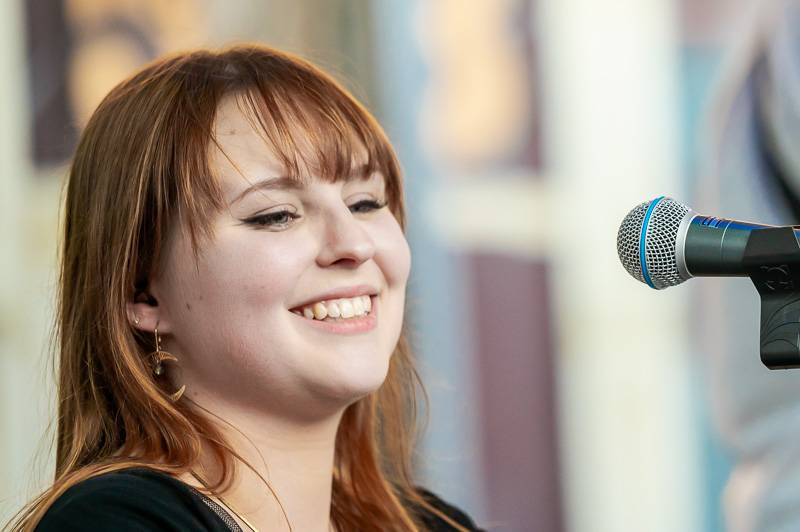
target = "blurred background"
x: 565, y: 396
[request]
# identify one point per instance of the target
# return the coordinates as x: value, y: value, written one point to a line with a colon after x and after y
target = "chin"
x: 350, y: 386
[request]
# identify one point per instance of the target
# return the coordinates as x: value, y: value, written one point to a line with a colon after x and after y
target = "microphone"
x: 663, y: 243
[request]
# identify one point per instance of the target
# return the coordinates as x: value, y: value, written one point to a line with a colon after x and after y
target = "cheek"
x: 238, y: 275
x: 393, y: 253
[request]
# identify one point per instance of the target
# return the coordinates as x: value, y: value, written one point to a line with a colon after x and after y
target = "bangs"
x: 311, y: 124
x: 311, y: 141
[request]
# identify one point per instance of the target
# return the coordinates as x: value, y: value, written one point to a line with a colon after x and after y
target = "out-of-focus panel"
x: 513, y: 317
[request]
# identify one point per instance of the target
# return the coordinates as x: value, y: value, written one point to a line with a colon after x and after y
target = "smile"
x: 341, y: 316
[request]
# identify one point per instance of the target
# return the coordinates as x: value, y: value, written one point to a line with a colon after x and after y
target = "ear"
x: 145, y: 310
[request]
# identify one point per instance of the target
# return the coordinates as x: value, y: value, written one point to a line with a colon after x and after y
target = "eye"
x: 273, y: 219
x: 281, y: 219
x: 367, y: 206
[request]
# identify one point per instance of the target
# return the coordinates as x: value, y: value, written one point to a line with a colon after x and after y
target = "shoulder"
x: 436, y: 523
x: 127, y: 500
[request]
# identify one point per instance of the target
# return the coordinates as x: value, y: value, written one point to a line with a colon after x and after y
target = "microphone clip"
x: 772, y: 261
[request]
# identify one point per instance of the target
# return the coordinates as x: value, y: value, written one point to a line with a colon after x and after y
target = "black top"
x: 140, y: 499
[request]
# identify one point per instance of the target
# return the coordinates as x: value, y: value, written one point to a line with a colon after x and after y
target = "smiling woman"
x: 231, y: 305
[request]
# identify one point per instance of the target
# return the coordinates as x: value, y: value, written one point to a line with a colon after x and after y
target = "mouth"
x: 339, y: 325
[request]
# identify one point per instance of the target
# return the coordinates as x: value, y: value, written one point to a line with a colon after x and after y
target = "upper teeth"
x: 338, y: 308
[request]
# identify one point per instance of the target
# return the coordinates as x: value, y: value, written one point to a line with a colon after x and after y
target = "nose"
x: 345, y: 240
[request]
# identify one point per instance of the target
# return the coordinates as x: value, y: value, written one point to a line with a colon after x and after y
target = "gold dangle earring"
x: 159, y: 357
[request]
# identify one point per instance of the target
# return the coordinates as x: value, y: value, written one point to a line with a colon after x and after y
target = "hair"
x: 142, y: 165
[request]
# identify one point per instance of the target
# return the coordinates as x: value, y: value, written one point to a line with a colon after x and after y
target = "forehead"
x: 239, y: 141
x: 234, y: 194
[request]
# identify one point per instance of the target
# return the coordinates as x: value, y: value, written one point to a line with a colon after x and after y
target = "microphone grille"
x: 651, y: 229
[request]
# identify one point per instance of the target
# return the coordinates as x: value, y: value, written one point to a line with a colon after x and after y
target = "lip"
x: 339, y: 293
x: 351, y: 326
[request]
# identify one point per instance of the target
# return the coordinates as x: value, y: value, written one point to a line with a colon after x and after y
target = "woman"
x: 230, y: 314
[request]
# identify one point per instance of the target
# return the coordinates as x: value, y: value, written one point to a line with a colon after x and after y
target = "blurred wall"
x: 564, y: 395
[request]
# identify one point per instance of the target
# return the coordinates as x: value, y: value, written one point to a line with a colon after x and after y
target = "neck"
x: 296, y: 460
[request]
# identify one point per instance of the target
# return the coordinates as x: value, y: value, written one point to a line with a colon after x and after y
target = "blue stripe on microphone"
x: 642, y: 237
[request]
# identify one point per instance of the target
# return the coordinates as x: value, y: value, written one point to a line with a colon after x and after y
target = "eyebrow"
x: 272, y: 183
x: 280, y: 183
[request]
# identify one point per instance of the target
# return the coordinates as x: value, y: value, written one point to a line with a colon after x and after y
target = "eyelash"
x: 270, y: 220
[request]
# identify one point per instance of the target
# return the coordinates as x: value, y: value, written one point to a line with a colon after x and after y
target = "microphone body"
x: 715, y: 247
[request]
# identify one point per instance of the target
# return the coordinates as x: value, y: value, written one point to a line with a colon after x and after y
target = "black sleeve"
x: 436, y: 523
x: 126, y: 502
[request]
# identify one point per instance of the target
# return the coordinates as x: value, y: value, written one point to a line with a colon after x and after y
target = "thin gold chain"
x: 227, y: 504
x: 237, y: 514
x: 254, y: 529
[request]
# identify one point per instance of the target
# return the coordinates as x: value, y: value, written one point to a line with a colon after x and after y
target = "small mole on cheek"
x: 188, y: 307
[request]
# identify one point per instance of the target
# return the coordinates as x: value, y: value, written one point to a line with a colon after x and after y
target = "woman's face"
x: 229, y: 317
